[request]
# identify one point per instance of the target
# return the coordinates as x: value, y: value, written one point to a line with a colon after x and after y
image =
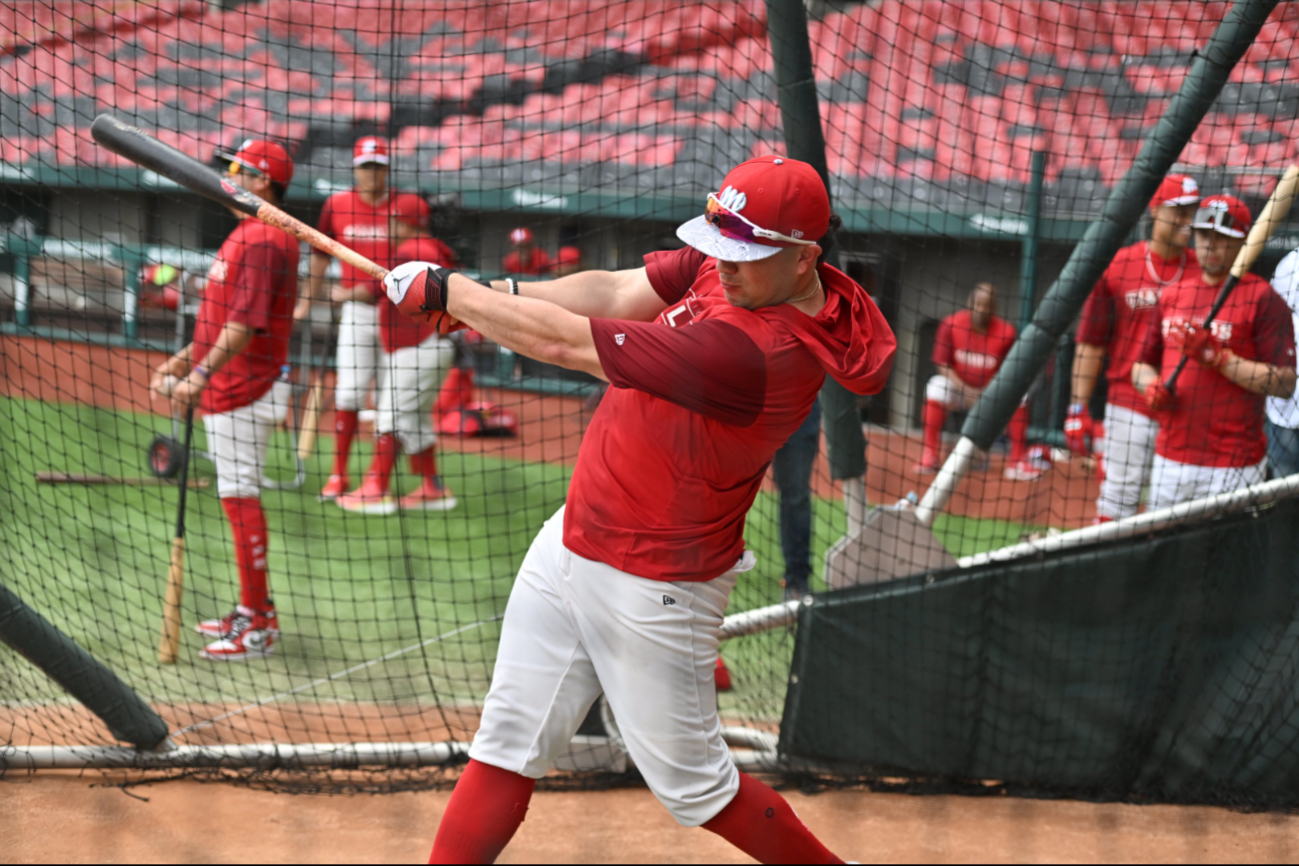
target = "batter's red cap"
x: 412, y: 210
x: 520, y: 236
x: 766, y: 204
x: 1176, y: 189
x: 263, y: 156
x: 1224, y: 214
x: 569, y: 256
x: 370, y: 149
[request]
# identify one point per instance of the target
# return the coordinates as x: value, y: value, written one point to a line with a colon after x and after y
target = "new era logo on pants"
x: 667, y: 599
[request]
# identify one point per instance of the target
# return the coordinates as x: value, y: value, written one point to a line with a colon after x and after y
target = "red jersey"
x: 700, y: 401
x: 253, y: 281
x: 395, y: 330
x: 365, y: 228
x: 1213, y: 421
x: 1120, y: 308
x: 973, y: 357
x: 536, y: 263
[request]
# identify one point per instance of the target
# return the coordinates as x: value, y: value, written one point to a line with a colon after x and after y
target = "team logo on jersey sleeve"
x: 217, y: 273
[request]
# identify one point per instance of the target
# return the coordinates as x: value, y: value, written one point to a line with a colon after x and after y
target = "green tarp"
x: 1164, y: 668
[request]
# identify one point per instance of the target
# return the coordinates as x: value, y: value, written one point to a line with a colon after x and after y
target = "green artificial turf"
x: 349, y: 589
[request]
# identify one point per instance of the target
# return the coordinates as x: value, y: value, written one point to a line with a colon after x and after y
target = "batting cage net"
x: 385, y: 482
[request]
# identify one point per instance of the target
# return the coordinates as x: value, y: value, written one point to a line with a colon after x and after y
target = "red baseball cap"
x: 1225, y: 214
x: 1176, y: 189
x: 412, y: 210
x: 520, y: 236
x: 569, y: 256
x: 766, y: 204
x: 370, y: 149
x: 263, y: 156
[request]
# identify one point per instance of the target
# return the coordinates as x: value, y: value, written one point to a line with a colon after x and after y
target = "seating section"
x: 917, y: 94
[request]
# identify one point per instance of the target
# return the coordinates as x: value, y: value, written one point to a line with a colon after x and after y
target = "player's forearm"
x: 233, y: 339
x: 1143, y: 375
x: 1086, y: 367
x: 316, y: 275
x: 536, y: 328
x: 1270, y: 380
x: 596, y: 294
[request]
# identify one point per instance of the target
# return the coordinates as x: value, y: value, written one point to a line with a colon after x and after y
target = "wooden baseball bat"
x: 126, y: 480
x: 311, y: 420
x: 147, y: 151
x: 169, y: 643
x: 1272, y: 214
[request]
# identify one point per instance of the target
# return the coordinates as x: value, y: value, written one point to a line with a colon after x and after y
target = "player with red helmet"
x: 1211, y: 436
x: 1113, y: 320
x: 714, y: 355
x: 233, y: 371
x: 414, y: 359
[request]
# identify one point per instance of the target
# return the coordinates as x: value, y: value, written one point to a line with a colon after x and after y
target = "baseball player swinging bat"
x: 1273, y: 212
x: 169, y: 644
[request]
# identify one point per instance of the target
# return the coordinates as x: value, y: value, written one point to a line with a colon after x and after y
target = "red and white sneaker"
x: 335, y: 486
x: 250, y: 637
x: 221, y: 627
x: 431, y: 495
x: 369, y: 498
x: 929, y: 463
x: 1024, y: 470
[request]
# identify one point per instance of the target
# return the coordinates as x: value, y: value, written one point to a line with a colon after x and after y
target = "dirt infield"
x: 61, y: 817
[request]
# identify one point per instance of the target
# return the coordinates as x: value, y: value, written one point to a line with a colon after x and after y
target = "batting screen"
x: 362, y: 491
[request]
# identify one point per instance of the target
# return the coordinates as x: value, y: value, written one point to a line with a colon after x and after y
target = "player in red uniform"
x: 232, y: 370
x: 1211, y: 436
x: 714, y: 355
x: 359, y: 218
x: 413, y: 363
x: 1115, y: 316
x: 526, y: 257
x: 968, y: 350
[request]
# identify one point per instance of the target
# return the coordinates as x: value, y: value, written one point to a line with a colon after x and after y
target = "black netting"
x: 968, y: 145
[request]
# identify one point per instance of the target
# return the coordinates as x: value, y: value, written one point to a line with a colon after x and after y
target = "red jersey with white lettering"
x: 537, y: 262
x: 1214, y: 421
x: 974, y: 357
x: 701, y: 400
x: 1120, y: 307
x: 365, y: 228
x: 397, y: 331
x: 253, y: 281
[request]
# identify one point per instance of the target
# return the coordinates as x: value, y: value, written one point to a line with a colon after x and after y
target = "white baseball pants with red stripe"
x: 238, y: 441
x: 574, y: 628
x: 408, y: 385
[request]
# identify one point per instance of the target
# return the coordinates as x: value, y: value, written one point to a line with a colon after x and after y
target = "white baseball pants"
x: 1129, y: 448
x: 358, y: 354
x: 408, y: 384
x: 574, y: 627
x: 954, y: 395
x: 1172, y: 482
x: 238, y: 440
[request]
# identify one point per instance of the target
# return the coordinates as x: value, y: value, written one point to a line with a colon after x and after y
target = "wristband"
x: 513, y: 285
x: 1076, y: 408
x: 202, y: 371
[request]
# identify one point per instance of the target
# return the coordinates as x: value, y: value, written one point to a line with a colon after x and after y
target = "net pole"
x: 128, y: 718
x: 791, y: 55
x: 1103, y: 239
